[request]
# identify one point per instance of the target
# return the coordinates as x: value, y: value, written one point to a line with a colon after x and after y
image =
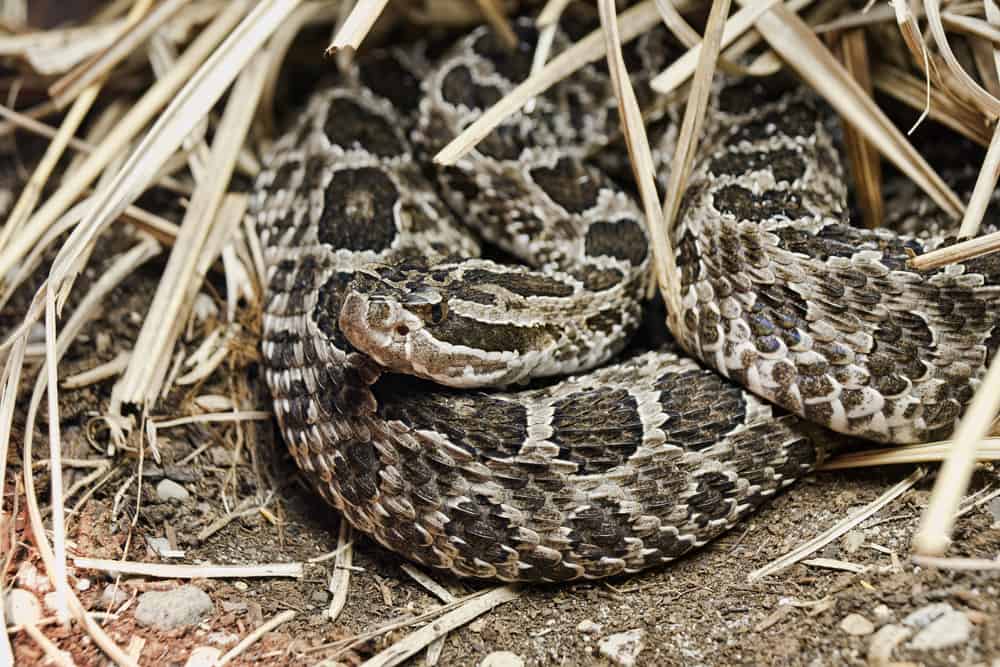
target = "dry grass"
x: 160, y: 138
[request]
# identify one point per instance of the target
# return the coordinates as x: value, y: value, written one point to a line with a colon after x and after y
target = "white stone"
x: 857, y: 625
x: 502, y: 659
x: 203, y: 656
x: 168, y: 489
x: 589, y: 627
x: 624, y: 647
x: 950, y: 629
x: 175, y: 608
x: 21, y: 606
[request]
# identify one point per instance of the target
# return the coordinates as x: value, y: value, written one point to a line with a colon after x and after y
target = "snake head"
x: 418, y: 322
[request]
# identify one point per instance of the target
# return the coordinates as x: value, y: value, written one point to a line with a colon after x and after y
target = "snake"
x: 470, y: 400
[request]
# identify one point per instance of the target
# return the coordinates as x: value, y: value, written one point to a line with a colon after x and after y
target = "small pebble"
x: 203, y: 656
x: 502, y: 659
x: 21, y: 606
x: 624, y: 647
x: 168, y: 489
x: 588, y: 627
x: 221, y: 456
x: 994, y: 508
x: 882, y: 614
x: 241, y: 586
x: 166, y: 610
x: 29, y: 577
x: 857, y: 625
x: 884, y: 642
x: 949, y: 629
x: 852, y: 541
x: 321, y: 597
x: 926, y: 615
x: 160, y: 545
x: 83, y: 584
x: 112, y: 596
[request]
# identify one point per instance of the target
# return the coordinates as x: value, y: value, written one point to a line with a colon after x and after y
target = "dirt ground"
x: 699, y: 611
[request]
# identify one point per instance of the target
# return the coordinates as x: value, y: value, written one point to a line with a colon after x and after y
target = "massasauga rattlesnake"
x: 639, y: 461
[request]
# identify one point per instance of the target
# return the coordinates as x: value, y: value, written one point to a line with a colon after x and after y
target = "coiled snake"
x: 637, y: 462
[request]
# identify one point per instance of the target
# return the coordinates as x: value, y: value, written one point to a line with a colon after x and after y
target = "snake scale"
x: 377, y: 298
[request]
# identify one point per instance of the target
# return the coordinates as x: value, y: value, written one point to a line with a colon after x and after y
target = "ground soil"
x: 700, y: 610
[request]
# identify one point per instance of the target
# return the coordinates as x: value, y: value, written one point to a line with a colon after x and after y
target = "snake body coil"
x: 637, y: 462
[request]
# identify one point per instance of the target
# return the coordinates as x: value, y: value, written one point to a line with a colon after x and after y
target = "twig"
x: 800, y: 552
x: 357, y: 25
x: 340, y: 580
x: 959, y: 252
x: 966, y: 564
x: 934, y: 534
x: 166, y: 571
x: 468, y: 611
x: 254, y: 636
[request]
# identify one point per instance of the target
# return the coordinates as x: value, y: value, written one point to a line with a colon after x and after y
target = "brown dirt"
x: 698, y: 611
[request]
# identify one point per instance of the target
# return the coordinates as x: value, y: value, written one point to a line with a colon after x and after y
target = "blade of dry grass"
x: 358, y: 24
x: 862, y: 156
x: 687, y: 141
x: 934, y: 534
x: 142, y: 380
x: 465, y: 613
x: 86, y: 310
x: 792, y: 39
x: 495, y: 17
x: 839, y: 529
x: 340, y: 581
x: 55, y: 51
x: 959, y: 564
x: 932, y: 452
x: 986, y: 183
x: 640, y: 156
x: 32, y: 191
x: 631, y: 23
x: 200, y: 571
x: 943, y: 108
x: 138, y: 27
x: 970, y: 87
x: 191, y: 104
x: 743, y: 20
x: 959, y: 252
x: 254, y: 636
x: 134, y: 121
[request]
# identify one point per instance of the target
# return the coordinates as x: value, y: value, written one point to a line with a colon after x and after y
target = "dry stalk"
x: 134, y: 121
x: 792, y: 39
x: 254, y: 636
x: 970, y: 88
x: 81, y: 106
x: 959, y: 252
x: 340, y: 580
x: 934, y: 534
x: 943, y: 108
x: 495, y: 17
x: 358, y: 24
x: 465, y: 613
x: 932, y: 452
x: 201, y: 571
x: 862, y: 156
x: 632, y: 23
x: 197, y: 246
x: 687, y: 141
x: 138, y: 27
x: 640, y: 155
x: 739, y: 23
x: 828, y: 536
